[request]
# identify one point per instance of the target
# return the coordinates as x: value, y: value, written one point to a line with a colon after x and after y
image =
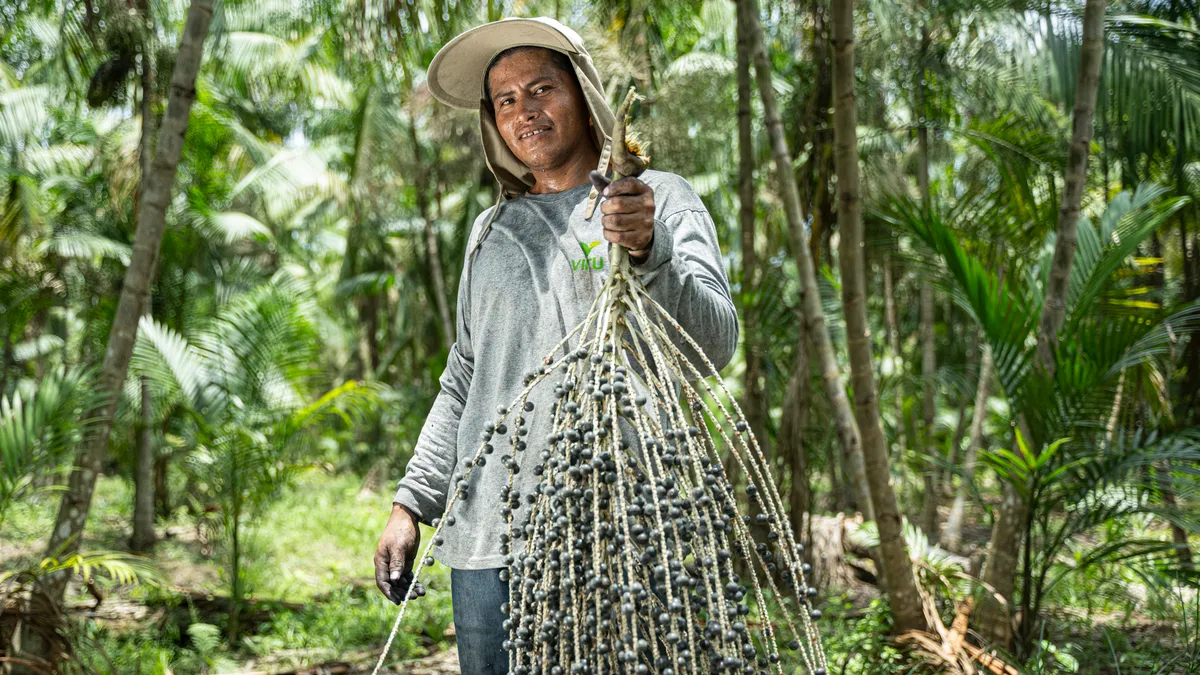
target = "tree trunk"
x: 818, y: 133
x: 900, y: 456
x: 6, y: 356
x: 893, y: 336
x: 1178, y: 534
x: 445, y: 322
x: 754, y: 397
x: 995, y: 622
x: 1190, y: 412
x: 143, y: 472
x: 929, y: 519
x: 960, y: 427
x: 1114, y: 416
x: 76, y: 501
x: 791, y: 432
x: 1007, y: 533
x: 35, y: 328
x: 953, y: 534
x: 896, y: 566
x: 1055, y: 307
x: 234, y: 526
x: 365, y: 370
x: 812, y: 312
x: 368, y: 316
x: 1183, y: 551
x: 143, y: 478
x: 162, y: 494
x: 643, y: 42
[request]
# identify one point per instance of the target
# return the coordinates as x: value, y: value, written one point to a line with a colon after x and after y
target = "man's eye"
x: 540, y: 88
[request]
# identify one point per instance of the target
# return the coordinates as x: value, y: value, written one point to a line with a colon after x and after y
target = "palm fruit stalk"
x: 624, y: 560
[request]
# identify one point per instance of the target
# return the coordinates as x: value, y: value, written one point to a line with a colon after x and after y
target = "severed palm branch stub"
x: 624, y: 559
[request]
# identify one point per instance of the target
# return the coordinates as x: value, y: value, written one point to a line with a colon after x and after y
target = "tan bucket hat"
x: 456, y: 73
x: 456, y: 78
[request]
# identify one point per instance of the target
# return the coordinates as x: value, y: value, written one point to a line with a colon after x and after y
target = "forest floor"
x: 314, y: 608
x: 308, y: 568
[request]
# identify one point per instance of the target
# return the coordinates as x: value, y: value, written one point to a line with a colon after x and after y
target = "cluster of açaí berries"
x: 624, y: 561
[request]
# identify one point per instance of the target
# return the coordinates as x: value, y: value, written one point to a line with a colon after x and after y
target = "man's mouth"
x: 533, y: 134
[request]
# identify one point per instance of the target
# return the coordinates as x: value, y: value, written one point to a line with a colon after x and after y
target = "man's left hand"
x: 629, y: 216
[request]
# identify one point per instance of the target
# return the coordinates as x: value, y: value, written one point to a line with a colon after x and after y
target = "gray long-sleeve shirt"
x: 532, y: 281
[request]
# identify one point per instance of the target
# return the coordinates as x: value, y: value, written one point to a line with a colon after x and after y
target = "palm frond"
x: 38, y: 429
x: 263, y: 345
x: 23, y: 113
x: 1005, y: 317
x: 167, y: 358
x: 1171, y: 47
x: 86, y: 246
x: 232, y: 226
x: 123, y: 568
x: 1097, y: 259
x: 37, y: 347
x: 59, y: 158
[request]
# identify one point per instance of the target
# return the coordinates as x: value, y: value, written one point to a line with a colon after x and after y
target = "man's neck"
x: 565, y: 177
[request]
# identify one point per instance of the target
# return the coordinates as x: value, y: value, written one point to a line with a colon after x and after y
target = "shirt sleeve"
x: 685, y: 274
x: 426, y: 481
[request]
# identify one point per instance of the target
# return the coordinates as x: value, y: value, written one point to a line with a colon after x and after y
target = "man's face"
x: 540, y: 110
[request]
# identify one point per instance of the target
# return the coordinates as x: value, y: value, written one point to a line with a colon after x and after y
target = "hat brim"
x: 456, y: 73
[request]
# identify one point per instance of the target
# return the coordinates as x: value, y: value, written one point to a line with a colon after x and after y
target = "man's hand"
x: 629, y: 216
x: 395, y: 555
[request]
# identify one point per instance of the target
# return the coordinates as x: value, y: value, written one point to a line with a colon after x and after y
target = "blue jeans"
x: 478, y: 622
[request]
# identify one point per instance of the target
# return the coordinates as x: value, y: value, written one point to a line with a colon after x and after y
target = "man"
x: 534, y: 264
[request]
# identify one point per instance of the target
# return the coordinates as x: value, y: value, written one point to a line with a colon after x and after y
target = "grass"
x: 349, y: 624
x: 319, y: 535
x: 312, y: 549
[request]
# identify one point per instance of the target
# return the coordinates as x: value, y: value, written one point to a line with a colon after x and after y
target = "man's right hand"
x: 395, y: 555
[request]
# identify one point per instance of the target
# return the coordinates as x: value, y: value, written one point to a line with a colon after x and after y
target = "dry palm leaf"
x: 948, y: 649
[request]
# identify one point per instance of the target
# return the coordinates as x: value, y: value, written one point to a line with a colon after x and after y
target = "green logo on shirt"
x: 587, y: 261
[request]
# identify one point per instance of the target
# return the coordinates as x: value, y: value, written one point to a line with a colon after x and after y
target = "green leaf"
x: 232, y: 226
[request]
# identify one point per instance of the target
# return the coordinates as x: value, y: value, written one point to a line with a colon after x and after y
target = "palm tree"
x: 38, y: 429
x: 645, y: 30
x: 432, y: 254
x: 1148, y: 60
x: 929, y: 516
x: 1062, y: 466
x: 812, y: 311
x: 897, y: 569
x: 756, y: 406
x: 1005, y: 544
x: 1054, y: 308
x: 142, y: 538
x: 76, y: 500
x: 246, y: 379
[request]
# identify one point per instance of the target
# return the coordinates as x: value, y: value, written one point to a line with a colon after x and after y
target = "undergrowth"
x: 312, y: 585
